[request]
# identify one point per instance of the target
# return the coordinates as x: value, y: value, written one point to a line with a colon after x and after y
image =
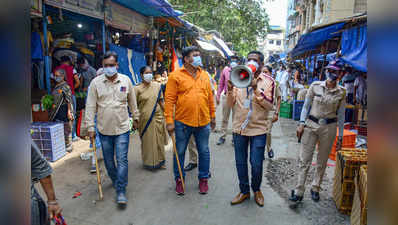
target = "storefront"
x: 128, y: 36
x: 64, y: 28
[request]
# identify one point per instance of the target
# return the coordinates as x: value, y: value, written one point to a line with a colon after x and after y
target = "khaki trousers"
x: 268, y: 142
x: 226, y: 111
x: 193, y: 151
x: 325, y: 134
x: 269, y: 136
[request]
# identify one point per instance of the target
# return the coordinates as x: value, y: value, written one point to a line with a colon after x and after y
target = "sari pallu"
x: 62, y: 97
x: 151, y: 125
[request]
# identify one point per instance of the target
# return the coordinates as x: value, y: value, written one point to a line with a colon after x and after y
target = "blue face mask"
x: 197, y: 61
x: 233, y: 64
x: 110, y: 71
x: 58, y: 79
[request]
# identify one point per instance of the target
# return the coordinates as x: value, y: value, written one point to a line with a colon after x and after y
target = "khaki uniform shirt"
x: 325, y: 102
x: 277, y: 93
x: 258, y: 122
x: 110, y: 100
x: 301, y: 94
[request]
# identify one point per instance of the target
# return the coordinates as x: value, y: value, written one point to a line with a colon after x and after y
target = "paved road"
x: 152, y: 200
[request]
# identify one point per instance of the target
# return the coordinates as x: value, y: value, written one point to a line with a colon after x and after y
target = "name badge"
x: 246, y: 103
x: 122, y: 89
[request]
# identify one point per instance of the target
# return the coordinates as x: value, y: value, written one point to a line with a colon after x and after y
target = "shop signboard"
x: 92, y: 8
x: 36, y: 7
x: 124, y: 18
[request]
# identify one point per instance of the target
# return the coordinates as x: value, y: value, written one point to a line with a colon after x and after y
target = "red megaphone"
x: 244, y: 74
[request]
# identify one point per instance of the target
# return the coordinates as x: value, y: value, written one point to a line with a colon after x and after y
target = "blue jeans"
x: 183, y: 134
x: 117, y: 172
x: 257, y: 148
x: 97, y: 138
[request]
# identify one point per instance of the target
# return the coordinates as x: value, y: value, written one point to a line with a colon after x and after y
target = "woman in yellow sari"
x: 151, y: 127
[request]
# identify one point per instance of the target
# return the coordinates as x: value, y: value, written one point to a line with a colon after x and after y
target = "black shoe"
x: 190, y: 166
x: 221, y: 141
x: 295, y: 198
x: 315, y: 196
x: 271, y: 154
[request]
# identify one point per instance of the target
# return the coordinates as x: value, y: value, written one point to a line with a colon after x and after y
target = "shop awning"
x: 314, y: 39
x: 209, y: 47
x: 223, y: 46
x: 156, y: 8
x: 354, y: 48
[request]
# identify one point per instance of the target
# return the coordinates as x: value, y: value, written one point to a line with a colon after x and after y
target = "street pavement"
x: 152, y: 198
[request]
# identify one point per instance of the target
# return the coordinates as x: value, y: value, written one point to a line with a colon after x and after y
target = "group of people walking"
x: 185, y: 109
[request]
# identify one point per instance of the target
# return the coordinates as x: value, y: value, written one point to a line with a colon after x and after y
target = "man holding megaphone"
x: 250, y: 94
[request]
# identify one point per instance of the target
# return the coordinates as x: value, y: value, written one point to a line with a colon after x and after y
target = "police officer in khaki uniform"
x: 327, y: 102
x: 273, y: 114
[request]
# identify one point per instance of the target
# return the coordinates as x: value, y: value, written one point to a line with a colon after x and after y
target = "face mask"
x: 253, y: 65
x: 233, y: 64
x: 197, y: 61
x: 84, y: 66
x: 148, y: 77
x: 331, y: 76
x: 110, y: 71
x: 58, y: 79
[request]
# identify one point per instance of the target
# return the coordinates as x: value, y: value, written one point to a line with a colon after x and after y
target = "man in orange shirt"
x: 189, y: 93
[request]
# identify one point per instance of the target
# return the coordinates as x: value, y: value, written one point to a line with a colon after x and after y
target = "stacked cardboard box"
x: 348, y: 163
x: 360, y: 205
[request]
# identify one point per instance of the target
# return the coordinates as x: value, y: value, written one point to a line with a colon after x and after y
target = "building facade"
x: 305, y: 14
x: 274, y: 42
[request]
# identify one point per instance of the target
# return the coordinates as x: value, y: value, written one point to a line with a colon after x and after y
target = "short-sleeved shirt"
x: 88, y: 75
x: 348, y: 81
x: 277, y: 94
x: 362, y: 89
x: 40, y: 169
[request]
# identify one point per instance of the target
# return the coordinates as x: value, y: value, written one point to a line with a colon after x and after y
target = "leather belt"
x: 322, y: 121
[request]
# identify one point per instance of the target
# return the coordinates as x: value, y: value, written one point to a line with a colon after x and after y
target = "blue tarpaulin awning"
x: 314, y: 39
x: 130, y: 62
x: 156, y: 8
x: 354, y: 48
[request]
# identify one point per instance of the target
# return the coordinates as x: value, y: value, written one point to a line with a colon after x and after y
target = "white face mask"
x: 148, y: 77
x: 110, y: 71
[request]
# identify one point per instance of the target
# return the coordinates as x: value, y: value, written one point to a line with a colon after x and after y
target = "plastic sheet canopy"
x: 157, y: 8
x: 354, y: 48
x: 312, y: 40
